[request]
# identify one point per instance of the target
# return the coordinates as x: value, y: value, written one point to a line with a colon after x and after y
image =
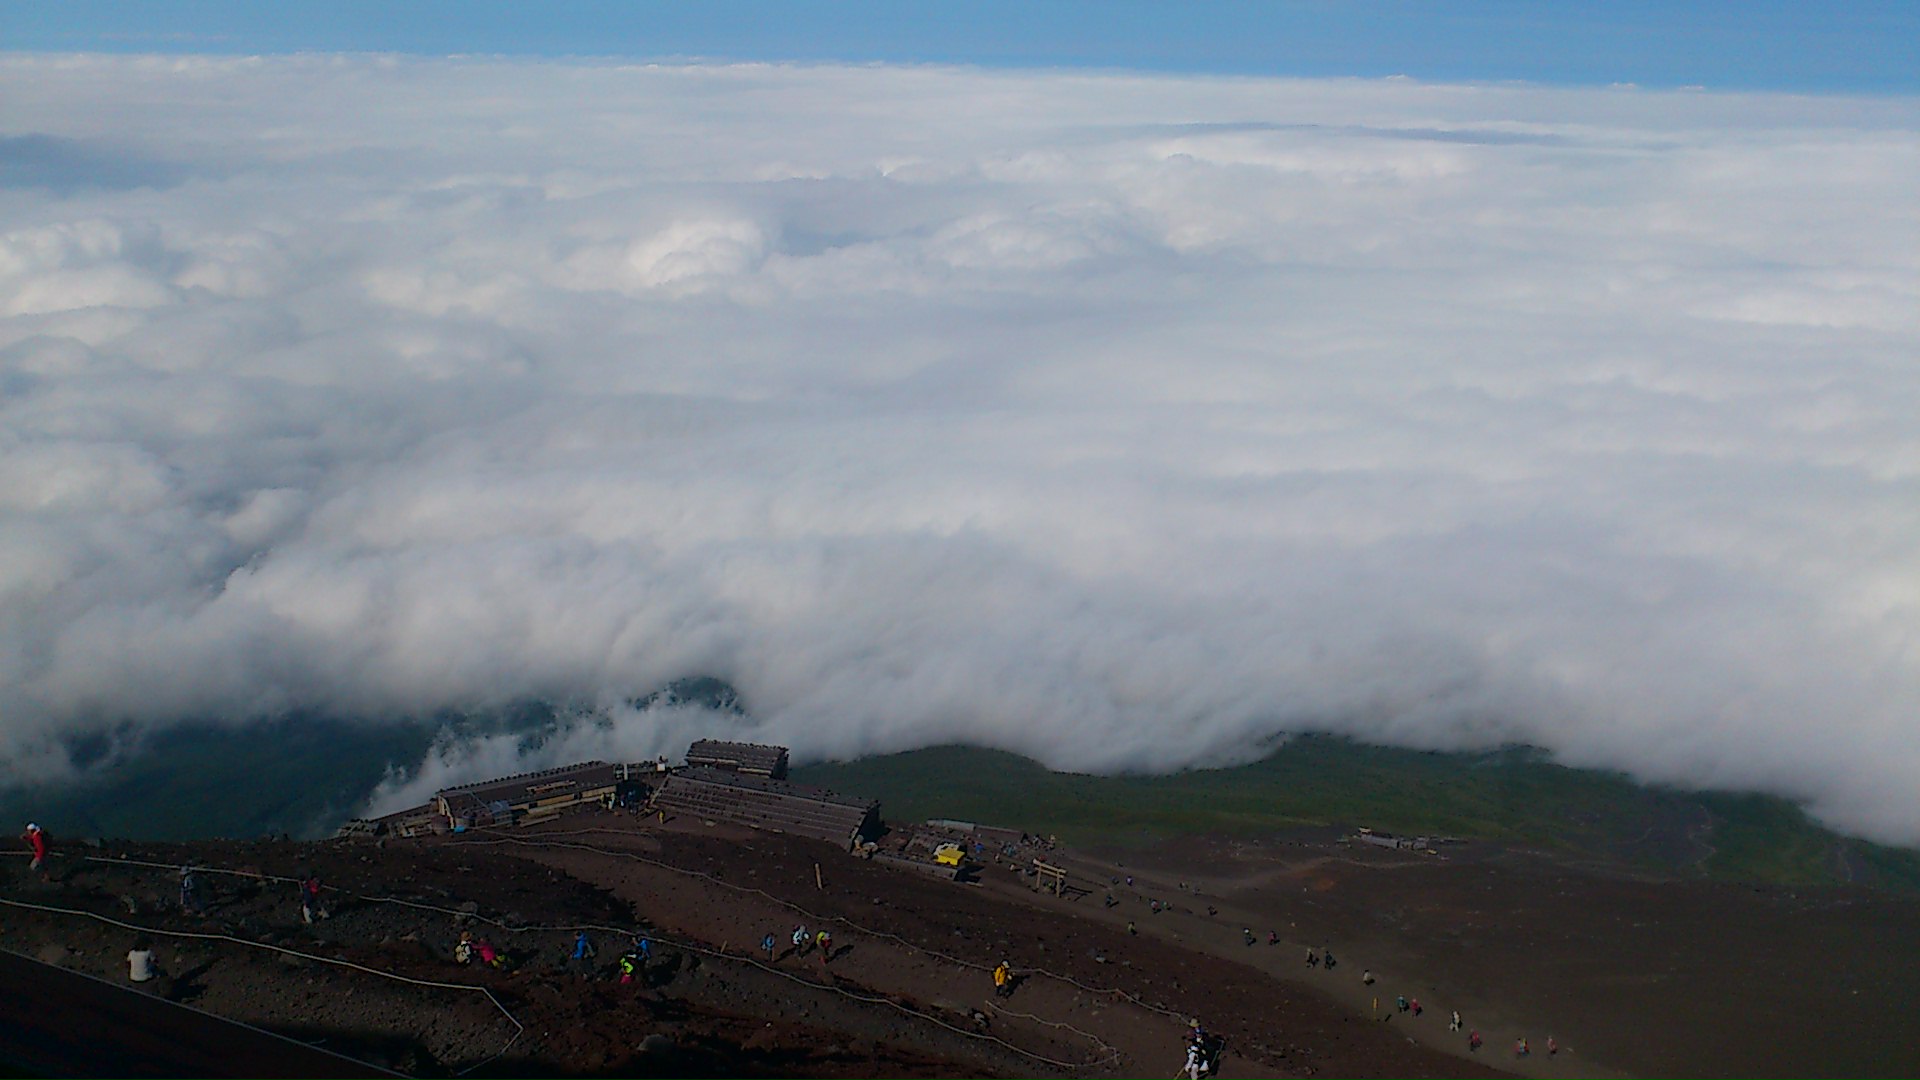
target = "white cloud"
x: 621, y: 733
x: 1121, y: 421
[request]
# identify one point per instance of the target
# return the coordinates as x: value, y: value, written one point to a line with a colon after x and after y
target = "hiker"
x: 1132, y: 929
x: 1454, y: 1024
x: 1129, y: 881
x: 1473, y: 1040
x: 1313, y: 958
x: 643, y: 947
x: 1400, y: 1003
x: 800, y: 940
x: 1111, y: 901
x: 1199, y: 1054
x: 627, y: 963
x: 140, y: 960
x: 767, y: 944
x: 1209, y: 1047
x: 463, y: 952
x: 1520, y: 1047
x: 1212, y: 911
x: 37, y: 842
x: 825, y: 941
x: 583, y: 951
x: 1366, y: 976
x: 1552, y: 1047
x: 1003, y: 980
x: 487, y: 953
x: 1416, y: 1006
x: 190, y: 892
x: 1247, y: 934
x: 310, y: 908
x: 1327, y: 959
x: 1273, y: 937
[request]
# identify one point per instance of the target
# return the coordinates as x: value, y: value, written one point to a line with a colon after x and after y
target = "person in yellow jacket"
x: 1003, y: 980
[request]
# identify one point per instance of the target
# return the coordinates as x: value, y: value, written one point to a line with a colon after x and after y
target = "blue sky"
x: 1871, y: 47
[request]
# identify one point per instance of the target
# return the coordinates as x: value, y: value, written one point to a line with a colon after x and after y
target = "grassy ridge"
x: 1510, y: 795
x: 301, y: 776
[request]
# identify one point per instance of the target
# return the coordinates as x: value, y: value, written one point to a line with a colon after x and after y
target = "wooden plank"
x: 767, y: 804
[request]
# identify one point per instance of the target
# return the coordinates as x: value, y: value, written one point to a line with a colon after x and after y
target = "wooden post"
x: 1049, y: 878
x: 817, y: 883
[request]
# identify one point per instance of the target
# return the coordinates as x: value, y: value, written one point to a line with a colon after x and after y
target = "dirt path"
x: 1636, y: 975
x: 1631, y: 975
x: 936, y: 941
x: 54, y: 1019
x: 693, y: 1019
x: 1209, y: 914
x: 1062, y: 1027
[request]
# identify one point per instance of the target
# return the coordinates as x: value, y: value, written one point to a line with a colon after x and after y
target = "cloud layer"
x: 1124, y: 422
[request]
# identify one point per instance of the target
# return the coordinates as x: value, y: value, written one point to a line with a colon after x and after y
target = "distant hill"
x: 303, y: 775
x: 1513, y: 795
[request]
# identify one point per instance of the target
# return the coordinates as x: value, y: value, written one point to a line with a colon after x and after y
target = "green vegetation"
x: 1513, y: 795
x: 301, y: 776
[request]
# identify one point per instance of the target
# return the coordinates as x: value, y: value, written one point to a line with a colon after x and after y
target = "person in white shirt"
x: 140, y: 961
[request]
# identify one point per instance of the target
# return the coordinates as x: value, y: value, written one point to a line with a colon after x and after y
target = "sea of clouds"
x: 1125, y: 422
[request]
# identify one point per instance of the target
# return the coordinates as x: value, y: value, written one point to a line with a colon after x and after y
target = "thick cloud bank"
x: 1122, y: 422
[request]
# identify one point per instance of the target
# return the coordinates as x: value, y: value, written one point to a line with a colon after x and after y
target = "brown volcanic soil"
x: 935, y: 942
x: 574, y: 1024
x: 907, y: 993
x: 1630, y: 975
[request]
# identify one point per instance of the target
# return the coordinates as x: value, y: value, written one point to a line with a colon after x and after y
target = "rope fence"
x: 1108, y: 1052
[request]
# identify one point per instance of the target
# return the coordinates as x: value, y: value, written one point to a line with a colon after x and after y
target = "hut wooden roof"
x: 745, y: 799
x: 525, y: 786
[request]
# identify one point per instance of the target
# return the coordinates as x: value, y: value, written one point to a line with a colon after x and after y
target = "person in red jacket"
x: 37, y: 840
x: 310, y: 908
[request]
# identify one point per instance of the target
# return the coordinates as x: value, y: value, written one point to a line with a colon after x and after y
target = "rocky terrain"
x: 1630, y: 976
